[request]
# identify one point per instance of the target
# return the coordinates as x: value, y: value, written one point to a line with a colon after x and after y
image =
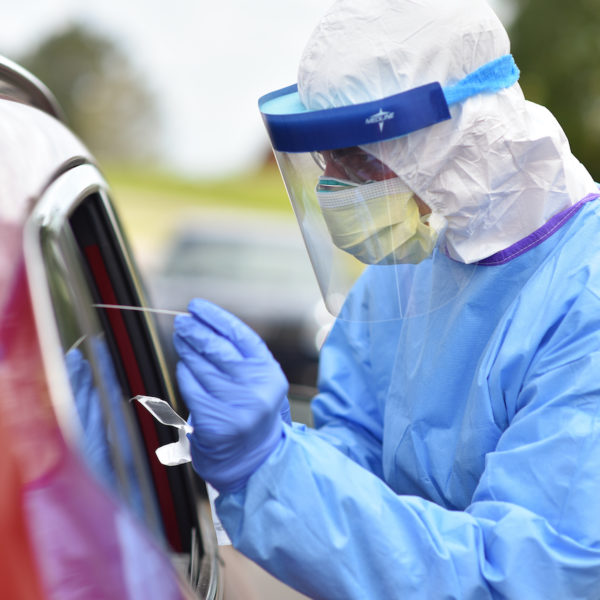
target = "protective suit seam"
x: 537, y: 237
x: 357, y: 430
x: 593, y: 293
x: 575, y: 475
x: 527, y: 375
x: 534, y: 242
x: 582, y: 452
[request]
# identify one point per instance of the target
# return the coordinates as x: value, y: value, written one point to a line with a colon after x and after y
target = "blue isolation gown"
x: 457, y: 453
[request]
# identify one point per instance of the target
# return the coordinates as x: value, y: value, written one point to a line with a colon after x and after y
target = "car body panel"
x: 75, y: 530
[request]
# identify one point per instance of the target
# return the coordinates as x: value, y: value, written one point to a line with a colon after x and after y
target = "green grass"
x: 148, y: 201
x: 260, y: 190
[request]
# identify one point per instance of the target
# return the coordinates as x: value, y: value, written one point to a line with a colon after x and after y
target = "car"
x: 87, y: 509
x: 255, y: 266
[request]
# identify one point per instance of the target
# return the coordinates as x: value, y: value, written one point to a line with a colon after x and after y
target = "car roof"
x: 35, y: 146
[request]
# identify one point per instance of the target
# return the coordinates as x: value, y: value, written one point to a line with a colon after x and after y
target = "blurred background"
x: 165, y: 95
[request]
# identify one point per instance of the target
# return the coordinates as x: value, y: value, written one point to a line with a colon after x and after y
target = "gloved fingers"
x: 198, y: 343
x: 247, y: 341
x: 213, y: 374
x: 217, y: 375
x: 217, y: 421
x: 192, y: 335
x: 74, y: 361
x: 79, y: 370
x: 215, y: 362
x: 201, y: 403
x: 82, y: 385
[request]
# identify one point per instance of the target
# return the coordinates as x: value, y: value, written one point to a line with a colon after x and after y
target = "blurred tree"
x: 556, y: 45
x: 105, y: 102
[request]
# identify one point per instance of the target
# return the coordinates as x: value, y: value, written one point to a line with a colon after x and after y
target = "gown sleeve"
x: 353, y: 427
x: 330, y: 527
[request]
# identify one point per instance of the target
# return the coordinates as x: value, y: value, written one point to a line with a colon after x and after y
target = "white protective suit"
x: 500, y: 168
x: 456, y: 452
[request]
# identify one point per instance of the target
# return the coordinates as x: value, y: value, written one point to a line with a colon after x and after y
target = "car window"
x: 111, y: 356
x: 110, y: 281
x: 110, y: 443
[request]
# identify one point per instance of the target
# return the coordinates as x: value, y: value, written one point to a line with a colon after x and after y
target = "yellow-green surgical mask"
x: 379, y: 222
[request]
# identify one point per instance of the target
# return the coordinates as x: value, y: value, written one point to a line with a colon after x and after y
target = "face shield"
x: 357, y: 216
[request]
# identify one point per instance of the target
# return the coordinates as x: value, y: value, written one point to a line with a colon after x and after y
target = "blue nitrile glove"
x: 87, y: 401
x: 105, y: 421
x: 235, y: 392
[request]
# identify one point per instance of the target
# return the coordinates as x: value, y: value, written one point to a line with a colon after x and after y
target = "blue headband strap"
x: 293, y: 128
x: 489, y: 78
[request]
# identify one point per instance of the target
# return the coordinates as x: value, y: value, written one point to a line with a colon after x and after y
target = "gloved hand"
x: 235, y: 392
x: 95, y: 445
x: 102, y: 412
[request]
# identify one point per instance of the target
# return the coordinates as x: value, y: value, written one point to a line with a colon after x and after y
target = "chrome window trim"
x: 126, y: 253
x: 210, y: 579
x: 60, y: 198
x: 56, y: 203
x: 51, y: 212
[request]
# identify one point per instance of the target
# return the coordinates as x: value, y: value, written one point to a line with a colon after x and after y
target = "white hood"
x: 500, y: 168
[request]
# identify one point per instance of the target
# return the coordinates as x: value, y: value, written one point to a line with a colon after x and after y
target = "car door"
x: 79, y: 264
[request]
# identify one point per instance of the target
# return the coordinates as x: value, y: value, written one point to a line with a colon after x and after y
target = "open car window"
x: 110, y: 441
x: 110, y: 356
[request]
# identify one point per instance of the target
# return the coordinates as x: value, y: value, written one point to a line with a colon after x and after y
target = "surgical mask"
x: 379, y: 222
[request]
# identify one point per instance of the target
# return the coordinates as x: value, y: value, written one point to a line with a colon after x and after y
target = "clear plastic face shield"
x: 361, y: 224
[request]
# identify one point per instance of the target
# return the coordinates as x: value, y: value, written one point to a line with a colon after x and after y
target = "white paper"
x: 178, y: 453
x: 222, y: 537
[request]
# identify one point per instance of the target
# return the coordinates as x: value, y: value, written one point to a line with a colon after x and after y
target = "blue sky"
x: 207, y: 62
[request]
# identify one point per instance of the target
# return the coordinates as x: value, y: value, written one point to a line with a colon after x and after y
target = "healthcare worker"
x: 456, y: 449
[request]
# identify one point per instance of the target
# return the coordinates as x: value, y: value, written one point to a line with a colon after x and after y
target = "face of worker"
x: 353, y: 164
x: 356, y: 165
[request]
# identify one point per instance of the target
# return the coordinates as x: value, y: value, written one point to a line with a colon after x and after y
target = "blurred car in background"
x: 256, y: 267
x: 87, y: 511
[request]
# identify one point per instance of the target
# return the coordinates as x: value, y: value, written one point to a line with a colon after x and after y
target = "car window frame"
x: 50, y: 213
